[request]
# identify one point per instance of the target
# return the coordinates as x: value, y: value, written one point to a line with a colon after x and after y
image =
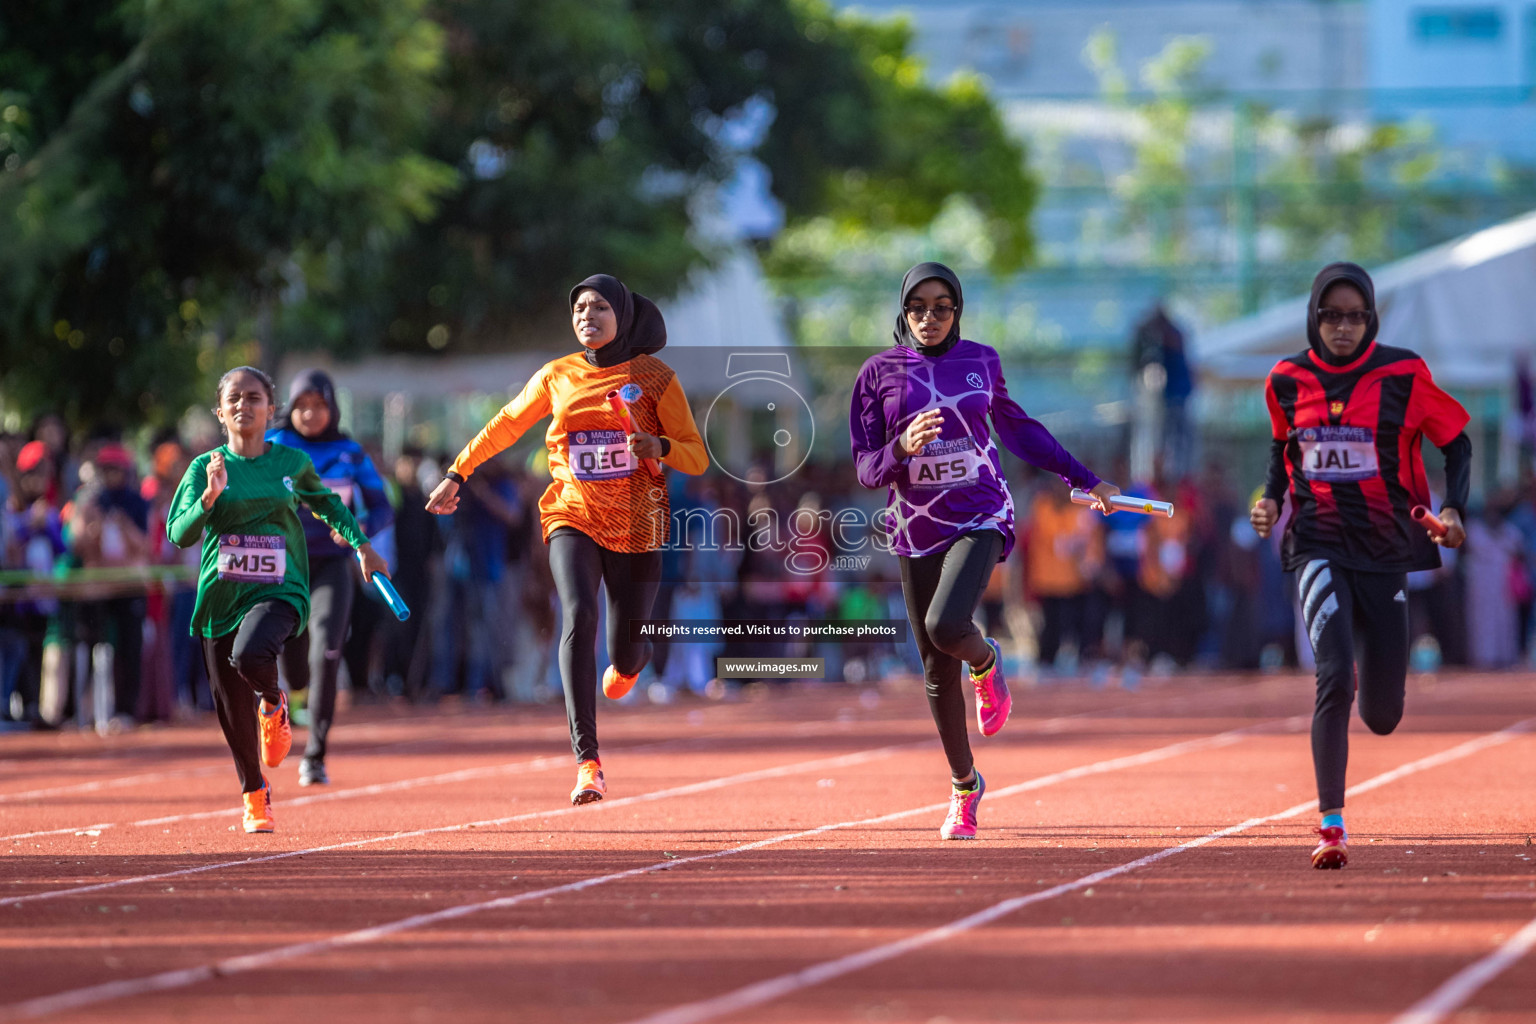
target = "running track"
x: 1143, y: 858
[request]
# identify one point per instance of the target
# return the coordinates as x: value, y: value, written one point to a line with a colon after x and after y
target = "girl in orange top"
x: 606, y: 515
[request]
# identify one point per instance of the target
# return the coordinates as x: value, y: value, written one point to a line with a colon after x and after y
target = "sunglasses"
x: 918, y: 311
x: 1334, y: 317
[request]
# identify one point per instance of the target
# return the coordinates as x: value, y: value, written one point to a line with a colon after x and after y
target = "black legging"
x: 580, y: 565
x: 312, y: 660
x: 1352, y: 616
x: 242, y: 667
x: 942, y: 591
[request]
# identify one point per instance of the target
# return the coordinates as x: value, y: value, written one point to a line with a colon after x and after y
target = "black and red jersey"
x: 1353, y: 436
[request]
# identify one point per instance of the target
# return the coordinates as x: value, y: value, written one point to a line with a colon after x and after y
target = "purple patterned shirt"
x: 955, y: 485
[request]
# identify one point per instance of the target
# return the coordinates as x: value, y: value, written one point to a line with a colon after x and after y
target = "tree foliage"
x: 169, y: 157
x: 586, y: 136
x: 186, y: 183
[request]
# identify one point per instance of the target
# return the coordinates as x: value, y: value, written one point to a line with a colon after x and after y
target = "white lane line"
x: 72, y: 830
x: 459, y: 775
x: 767, y: 991
x: 1462, y: 985
x: 352, y: 748
x: 100, y: 784
x: 839, y: 726
x: 76, y: 998
x: 841, y: 761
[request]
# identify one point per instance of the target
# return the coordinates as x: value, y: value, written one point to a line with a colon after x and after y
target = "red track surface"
x: 1238, y: 928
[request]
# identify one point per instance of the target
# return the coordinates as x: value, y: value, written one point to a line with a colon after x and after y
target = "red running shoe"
x: 1333, y: 851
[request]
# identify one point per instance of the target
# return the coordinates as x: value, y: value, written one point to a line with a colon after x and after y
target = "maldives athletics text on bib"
x: 600, y: 455
x: 944, y: 464
x: 252, y: 558
x: 1338, y: 454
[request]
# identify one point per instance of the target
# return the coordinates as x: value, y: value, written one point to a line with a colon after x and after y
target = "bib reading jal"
x: 600, y: 455
x: 252, y: 558
x: 945, y: 464
x: 1338, y: 454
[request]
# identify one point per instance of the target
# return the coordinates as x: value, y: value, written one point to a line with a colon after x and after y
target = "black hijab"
x: 1341, y: 273
x: 321, y: 384
x: 641, y: 328
x: 916, y: 276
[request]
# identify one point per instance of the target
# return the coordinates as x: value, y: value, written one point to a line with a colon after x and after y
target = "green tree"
x: 186, y: 181
x: 167, y: 159
x: 585, y: 137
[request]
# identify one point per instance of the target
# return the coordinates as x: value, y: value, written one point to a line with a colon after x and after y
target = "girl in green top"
x: 253, y: 590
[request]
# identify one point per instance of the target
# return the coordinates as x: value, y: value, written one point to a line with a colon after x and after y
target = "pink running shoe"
x: 992, y: 699
x: 961, y: 822
x: 1333, y: 851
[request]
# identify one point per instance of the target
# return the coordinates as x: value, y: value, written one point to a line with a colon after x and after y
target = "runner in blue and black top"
x: 313, y: 658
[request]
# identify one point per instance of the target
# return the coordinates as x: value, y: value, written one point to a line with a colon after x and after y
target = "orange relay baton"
x: 1427, y: 519
x: 621, y: 410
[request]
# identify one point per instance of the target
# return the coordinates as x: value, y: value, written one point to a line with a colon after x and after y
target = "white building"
x: 1034, y: 48
x: 1467, y: 65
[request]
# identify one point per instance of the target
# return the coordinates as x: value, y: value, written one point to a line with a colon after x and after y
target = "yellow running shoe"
x: 589, y: 783
x: 276, y: 733
x: 258, y: 809
x: 616, y: 684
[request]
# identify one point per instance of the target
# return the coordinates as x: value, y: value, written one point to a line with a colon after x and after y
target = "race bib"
x: 945, y: 464
x: 600, y: 454
x: 252, y: 558
x: 1338, y: 454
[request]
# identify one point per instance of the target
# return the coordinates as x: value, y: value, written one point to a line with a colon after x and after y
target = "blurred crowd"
x: 95, y: 602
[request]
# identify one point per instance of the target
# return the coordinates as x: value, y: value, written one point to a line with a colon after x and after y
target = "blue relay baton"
x: 386, y: 590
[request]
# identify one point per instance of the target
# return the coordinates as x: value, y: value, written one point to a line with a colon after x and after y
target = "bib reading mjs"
x: 252, y: 558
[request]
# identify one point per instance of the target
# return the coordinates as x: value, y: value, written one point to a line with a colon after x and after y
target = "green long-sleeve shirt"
x: 253, y: 543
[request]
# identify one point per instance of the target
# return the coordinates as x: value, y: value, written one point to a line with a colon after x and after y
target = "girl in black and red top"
x: 1348, y: 418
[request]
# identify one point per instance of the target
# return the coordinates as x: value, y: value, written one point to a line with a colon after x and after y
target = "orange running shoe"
x: 589, y: 783
x: 276, y: 733
x: 616, y: 684
x: 1333, y: 850
x: 258, y: 809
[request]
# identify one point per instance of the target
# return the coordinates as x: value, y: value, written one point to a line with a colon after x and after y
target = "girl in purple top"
x: 919, y: 427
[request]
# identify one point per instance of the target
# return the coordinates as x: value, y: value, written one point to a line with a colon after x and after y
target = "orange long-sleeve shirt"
x: 599, y: 488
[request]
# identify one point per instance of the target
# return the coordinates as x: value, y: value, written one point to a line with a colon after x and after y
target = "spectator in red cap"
x: 30, y: 456
x: 110, y: 530
x: 34, y: 540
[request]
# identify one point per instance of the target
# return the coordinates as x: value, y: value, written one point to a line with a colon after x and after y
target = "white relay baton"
x: 1126, y: 503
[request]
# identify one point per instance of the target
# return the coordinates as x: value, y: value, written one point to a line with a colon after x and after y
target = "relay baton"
x: 386, y: 590
x: 1126, y: 503
x: 1427, y: 519
x: 621, y: 410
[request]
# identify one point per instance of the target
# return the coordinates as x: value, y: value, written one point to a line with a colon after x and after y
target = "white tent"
x: 1468, y: 307
x: 727, y: 309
